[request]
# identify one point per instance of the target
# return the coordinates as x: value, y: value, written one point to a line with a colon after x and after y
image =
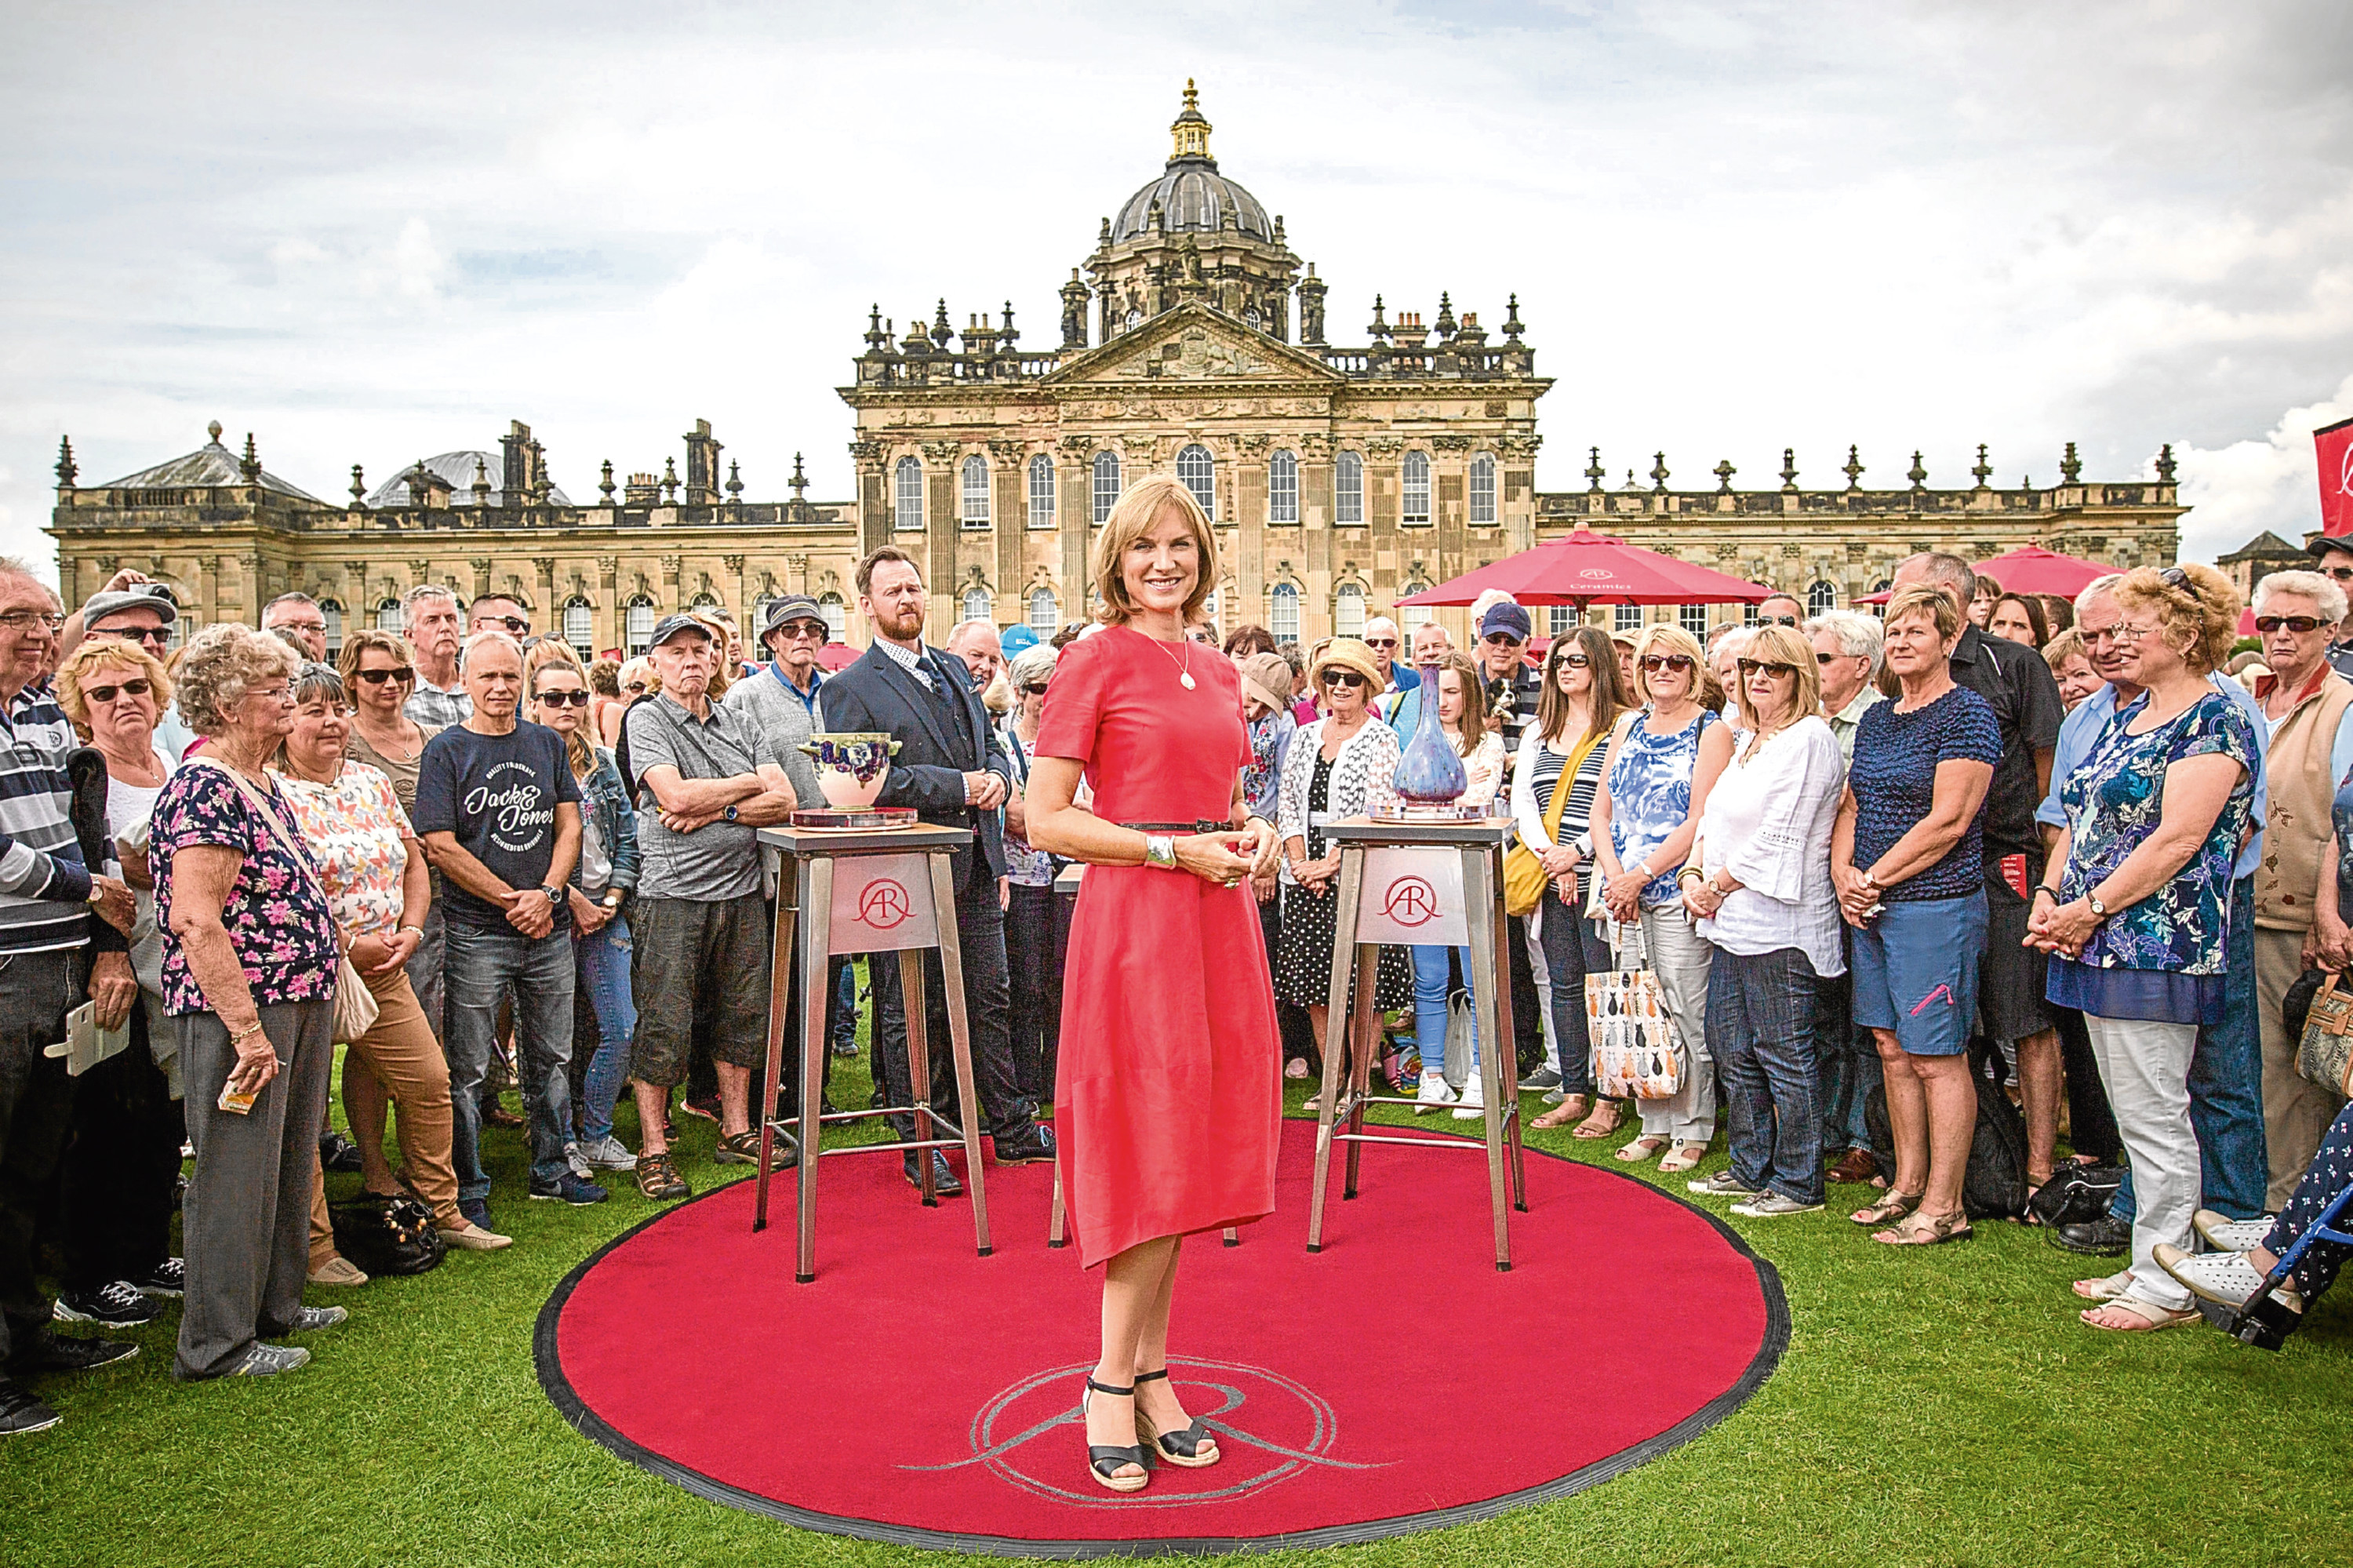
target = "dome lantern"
x: 1190, y: 129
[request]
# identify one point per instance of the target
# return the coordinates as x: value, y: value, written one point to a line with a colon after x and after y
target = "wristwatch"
x: 554, y: 895
x: 612, y: 898
x: 728, y: 815
x: 2092, y: 899
x: 1160, y: 849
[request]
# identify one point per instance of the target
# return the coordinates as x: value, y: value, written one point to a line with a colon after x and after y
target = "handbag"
x: 355, y: 1005
x: 1638, y: 1052
x: 2324, y: 1048
x: 387, y: 1234
x: 1524, y: 877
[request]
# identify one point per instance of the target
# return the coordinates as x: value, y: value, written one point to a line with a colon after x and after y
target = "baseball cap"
x: 792, y: 607
x: 671, y: 625
x: 1018, y: 638
x: 101, y: 605
x: 1506, y: 617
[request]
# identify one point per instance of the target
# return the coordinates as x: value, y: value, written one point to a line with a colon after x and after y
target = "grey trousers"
x: 246, y: 1221
x: 1681, y: 957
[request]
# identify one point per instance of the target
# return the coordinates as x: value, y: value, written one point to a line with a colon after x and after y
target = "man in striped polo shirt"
x: 53, y: 957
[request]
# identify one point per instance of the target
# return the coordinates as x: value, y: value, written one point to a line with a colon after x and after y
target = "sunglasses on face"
x: 2342, y: 574
x: 514, y: 623
x: 1342, y: 679
x: 1776, y: 620
x: 1680, y: 664
x: 1502, y: 639
x: 1831, y: 658
x: 1772, y: 667
x: 159, y: 634
x: 378, y: 677
x: 1036, y: 690
x: 138, y: 686
x: 1573, y: 662
x: 564, y: 699
x: 799, y: 630
x: 634, y: 686
x: 2300, y: 624
x: 1381, y: 641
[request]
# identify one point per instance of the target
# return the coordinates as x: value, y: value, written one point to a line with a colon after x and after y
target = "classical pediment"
x: 1193, y: 343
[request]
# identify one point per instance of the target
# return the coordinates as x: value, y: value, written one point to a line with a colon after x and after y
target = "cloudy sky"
x: 368, y: 234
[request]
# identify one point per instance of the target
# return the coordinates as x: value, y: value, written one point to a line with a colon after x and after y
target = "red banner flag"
x: 2333, y: 446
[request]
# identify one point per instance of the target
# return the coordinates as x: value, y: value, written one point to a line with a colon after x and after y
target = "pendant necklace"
x: 1184, y: 669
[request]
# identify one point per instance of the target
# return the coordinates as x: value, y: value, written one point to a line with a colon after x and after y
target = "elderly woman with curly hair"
x: 2135, y: 907
x: 250, y: 955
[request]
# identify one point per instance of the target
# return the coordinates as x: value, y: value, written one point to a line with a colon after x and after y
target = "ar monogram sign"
x: 1410, y: 902
x: 882, y: 903
x: 1413, y: 896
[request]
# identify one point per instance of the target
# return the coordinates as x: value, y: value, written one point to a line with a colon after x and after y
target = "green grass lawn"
x: 1937, y: 1407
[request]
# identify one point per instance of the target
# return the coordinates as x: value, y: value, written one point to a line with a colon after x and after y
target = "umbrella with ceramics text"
x: 1588, y: 568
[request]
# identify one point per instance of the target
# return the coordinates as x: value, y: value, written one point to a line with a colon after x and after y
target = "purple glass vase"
x: 1430, y: 773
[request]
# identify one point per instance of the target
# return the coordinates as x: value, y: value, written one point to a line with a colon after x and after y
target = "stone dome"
x: 457, y: 470
x: 1193, y: 197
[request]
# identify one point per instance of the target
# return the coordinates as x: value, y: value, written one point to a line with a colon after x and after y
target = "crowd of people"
x: 1871, y: 860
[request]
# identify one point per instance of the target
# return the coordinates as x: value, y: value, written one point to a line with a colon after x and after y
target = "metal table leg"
x: 814, y: 884
x: 960, y: 1047
x: 1335, y: 1031
x: 780, y: 968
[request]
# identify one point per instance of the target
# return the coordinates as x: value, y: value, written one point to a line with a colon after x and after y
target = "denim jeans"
x: 483, y: 967
x: 1572, y: 950
x: 1847, y: 1060
x: 2226, y: 1086
x: 1760, y: 1023
x: 843, y: 1028
x: 1430, y: 974
x: 602, y: 976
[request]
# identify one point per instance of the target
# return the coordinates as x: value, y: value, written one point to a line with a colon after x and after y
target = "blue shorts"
x: 1915, y: 972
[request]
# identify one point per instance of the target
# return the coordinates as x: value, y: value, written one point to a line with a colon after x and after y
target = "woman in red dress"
x: 1169, y: 1099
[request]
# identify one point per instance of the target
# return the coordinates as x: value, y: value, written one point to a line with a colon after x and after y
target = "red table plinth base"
x: 918, y: 1394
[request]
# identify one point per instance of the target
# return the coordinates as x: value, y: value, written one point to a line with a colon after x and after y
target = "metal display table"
x: 1408, y: 883
x: 866, y: 890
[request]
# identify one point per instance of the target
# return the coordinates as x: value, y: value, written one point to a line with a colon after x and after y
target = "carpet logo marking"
x: 1004, y: 1432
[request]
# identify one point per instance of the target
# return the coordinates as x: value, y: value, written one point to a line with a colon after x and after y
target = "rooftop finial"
x: 359, y: 486
x: 249, y: 465
x: 67, y: 467
x: 2164, y: 463
x: 1852, y: 468
x: 2071, y: 467
x: 800, y: 479
x: 1594, y: 472
x: 213, y: 431
x: 1190, y: 131
x: 1789, y: 469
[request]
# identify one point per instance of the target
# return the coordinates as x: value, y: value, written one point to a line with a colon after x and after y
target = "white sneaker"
x: 1473, y: 1104
x: 2225, y: 1235
x: 2228, y: 1277
x: 1434, y: 1094
x: 606, y: 1153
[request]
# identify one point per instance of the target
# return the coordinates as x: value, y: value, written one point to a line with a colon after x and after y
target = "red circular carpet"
x: 916, y: 1392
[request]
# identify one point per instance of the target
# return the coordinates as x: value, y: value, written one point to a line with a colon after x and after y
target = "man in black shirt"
x: 2019, y: 687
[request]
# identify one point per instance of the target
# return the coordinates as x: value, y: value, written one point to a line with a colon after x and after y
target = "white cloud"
x: 2238, y: 490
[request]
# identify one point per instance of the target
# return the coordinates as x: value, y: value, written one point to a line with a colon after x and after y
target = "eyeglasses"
x: 405, y: 675
x: 564, y: 699
x: 514, y: 623
x: 2300, y: 624
x: 1776, y: 620
x: 1680, y: 664
x: 1377, y: 643
x: 810, y: 630
x: 318, y: 626
x: 1501, y: 638
x: 1037, y: 690
x: 161, y: 635
x: 15, y: 620
x: 634, y: 686
x: 271, y: 693
x: 1774, y: 668
x: 2342, y: 574
x: 2094, y: 636
x: 1349, y: 679
x: 137, y: 687
x: 1573, y: 662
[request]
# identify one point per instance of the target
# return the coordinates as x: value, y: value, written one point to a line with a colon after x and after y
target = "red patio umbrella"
x: 1588, y: 569
x: 2031, y: 569
x: 838, y: 656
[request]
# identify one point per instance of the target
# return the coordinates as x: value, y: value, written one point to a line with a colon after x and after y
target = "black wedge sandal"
x: 1176, y: 1447
x: 1104, y: 1458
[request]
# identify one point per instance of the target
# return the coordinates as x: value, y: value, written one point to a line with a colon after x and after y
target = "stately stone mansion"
x: 1193, y: 340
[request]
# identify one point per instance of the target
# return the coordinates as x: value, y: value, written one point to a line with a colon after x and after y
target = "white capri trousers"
x: 2145, y: 1069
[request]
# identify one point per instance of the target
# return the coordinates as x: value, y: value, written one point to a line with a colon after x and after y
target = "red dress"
x: 1170, y: 1097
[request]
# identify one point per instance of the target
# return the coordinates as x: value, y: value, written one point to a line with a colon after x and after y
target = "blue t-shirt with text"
x: 498, y: 793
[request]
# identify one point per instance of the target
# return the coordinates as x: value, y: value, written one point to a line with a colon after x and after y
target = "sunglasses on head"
x: 1773, y: 667
x: 378, y: 677
x: 138, y: 686
x: 2174, y: 577
x: 1678, y: 663
x: 1349, y: 678
x: 564, y: 699
x: 2298, y: 624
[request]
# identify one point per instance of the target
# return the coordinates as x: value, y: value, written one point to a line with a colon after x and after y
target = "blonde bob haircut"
x: 2196, y: 611
x: 1664, y: 639
x: 1134, y: 516
x: 97, y: 652
x: 1783, y: 645
x: 1928, y: 599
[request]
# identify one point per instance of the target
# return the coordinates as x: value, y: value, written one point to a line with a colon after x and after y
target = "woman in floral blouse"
x: 2136, y: 908
x: 374, y: 873
x: 249, y: 959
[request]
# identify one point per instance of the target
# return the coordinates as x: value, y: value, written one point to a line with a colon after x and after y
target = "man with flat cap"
x: 2333, y: 554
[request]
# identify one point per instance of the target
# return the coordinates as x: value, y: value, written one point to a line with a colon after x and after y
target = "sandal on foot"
x: 1573, y: 1108
x: 2111, y: 1288
x: 1193, y: 1448
x: 1594, y: 1125
x: 1642, y: 1149
x: 2146, y: 1317
x: 1684, y: 1156
x: 1894, y: 1206
x: 1921, y: 1228
x: 1105, y: 1460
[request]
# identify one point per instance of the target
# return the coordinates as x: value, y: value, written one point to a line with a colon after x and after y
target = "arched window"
x: 1107, y: 485
x: 1283, y: 488
x: 975, y: 491
x: 1482, y: 492
x: 837, y: 616
x: 1821, y: 597
x: 390, y: 617
x: 1194, y: 467
x: 705, y: 600
x: 637, y: 625
x: 910, y: 514
x: 1282, y: 612
x: 1348, y: 611
x: 1349, y: 489
x: 1042, y: 491
x: 332, y: 614
x: 580, y: 627
x: 979, y: 604
x: 1045, y: 612
x: 1630, y: 617
x: 1417, y: 489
